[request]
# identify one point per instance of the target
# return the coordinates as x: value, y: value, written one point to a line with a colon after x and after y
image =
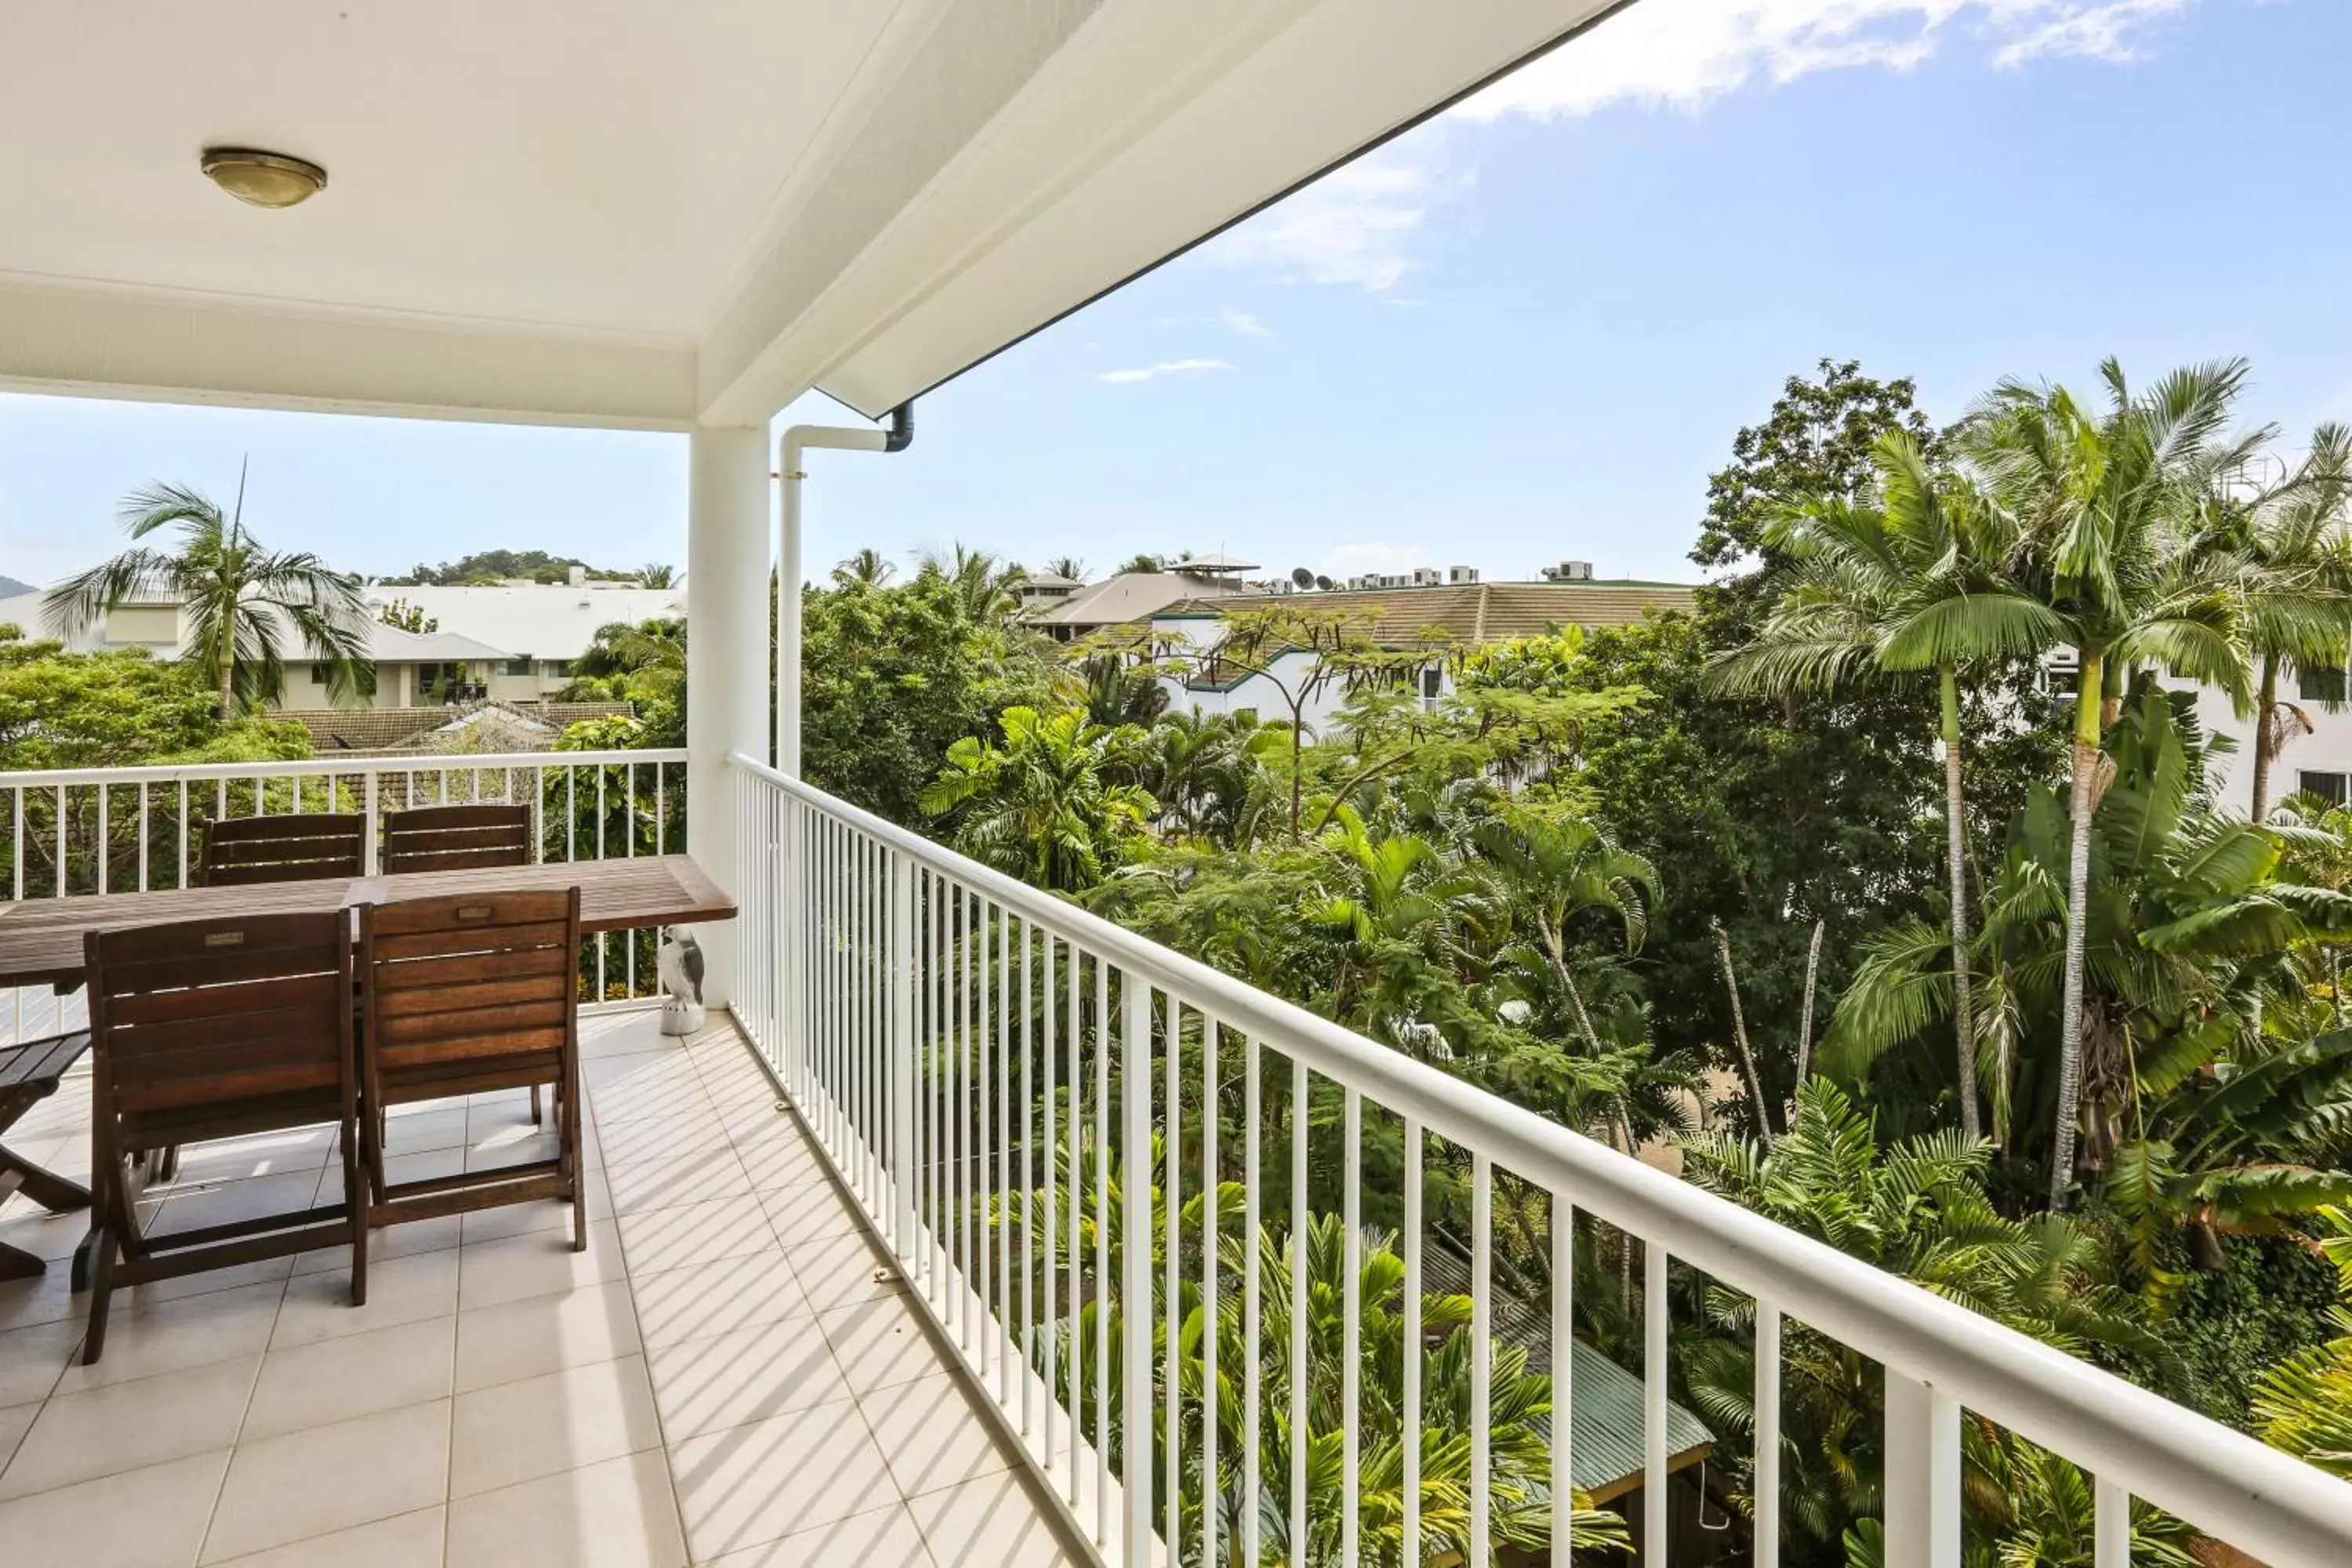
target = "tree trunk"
x: 2088, y: 704
x: 1297, y: 725
x: 1553, y: 951
x: 1964, y: 1014
x: 1805, y: 1025
x: 1739, y: 1032
x: 2265, y: 737
x: 227, y: 685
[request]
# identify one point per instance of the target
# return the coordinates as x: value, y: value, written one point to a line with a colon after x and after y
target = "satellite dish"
x: 1302, y: 577
x: 1324, y: 583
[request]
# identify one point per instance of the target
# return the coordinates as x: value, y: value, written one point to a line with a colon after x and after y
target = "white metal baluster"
x: 984, y: 1236
x: 1210, y: 1490
x: 1767, y: 1532
x: 1102, y: 1248
x: 103, y: 836
x: 661, y: 808
x: 1656, y: 1311
x: 539, y: 814
x: 142, y: 836
x: 1001, y: 1340
x: 2111, y: 1542
x: 1482, y: 1350
x: 16, y: 841
x: 374, y: 808
x: 869, y: 1034
x: 1028, y: 1185
x: 1409, y: 1345
x: 61, y: 839
x: 902, y: 1046
x: 1298, y: 1412
x: 1253, y: 1310
x: 1563, y: 1376
x: 1077, y: 1242
x: 220, y: 807
x: 571, y: 810
x: 600, y: 855
x: 629, y: 836
x: 1922, y: 1475
x: 962, y: 1257
x: 1135, y: 1289
x: 1351, y: 1323
x: 184, y: 835
x: 1048, y: 1326
x: 1171, y: 1179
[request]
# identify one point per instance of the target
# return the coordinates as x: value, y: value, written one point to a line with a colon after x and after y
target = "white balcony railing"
x: 75, y: 832
x: 931, y: 1019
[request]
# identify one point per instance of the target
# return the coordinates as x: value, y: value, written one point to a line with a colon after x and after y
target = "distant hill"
x: 10, y: 588
x: 501, y: 566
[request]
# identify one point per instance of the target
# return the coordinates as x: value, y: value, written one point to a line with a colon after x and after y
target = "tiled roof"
x: 1469, y: 612
x: 370, y: 732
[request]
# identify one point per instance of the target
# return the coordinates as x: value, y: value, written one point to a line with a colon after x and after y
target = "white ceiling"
x: 579, y: 163
x: 632, y: 212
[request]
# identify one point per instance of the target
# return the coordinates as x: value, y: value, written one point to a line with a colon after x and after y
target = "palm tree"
x: 1557, y: 867
x: 239, y: 599
x: 1054, y: 803
x: 2288, y: 552
x: 869, y: 566
x: 657, y: 574
x: 2111, y: 498
x: 639, y: 662
x: 1068, y: 566
x: 1915, y: 576
x: 1406, y: 917
x: 985, y: 586
x: 1519, y: 1410
x: 2305, y: 1403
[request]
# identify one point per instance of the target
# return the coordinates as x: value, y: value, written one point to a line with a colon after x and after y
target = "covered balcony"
x: 941, y: 1243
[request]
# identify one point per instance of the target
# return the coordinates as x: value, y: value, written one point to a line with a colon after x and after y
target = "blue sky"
x: 1524, y: 333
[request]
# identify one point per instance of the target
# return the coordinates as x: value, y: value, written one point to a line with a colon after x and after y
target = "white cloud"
x: 1371, y: 557
x: 1353, y: 226
x: 1687, y: 53
x: 1242, y: 324
x: 1165, y: 367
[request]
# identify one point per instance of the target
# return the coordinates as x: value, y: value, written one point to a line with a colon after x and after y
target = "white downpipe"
x: 798, y: 440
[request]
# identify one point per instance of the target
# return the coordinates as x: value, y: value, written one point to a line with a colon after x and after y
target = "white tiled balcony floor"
x: 722, y: 1378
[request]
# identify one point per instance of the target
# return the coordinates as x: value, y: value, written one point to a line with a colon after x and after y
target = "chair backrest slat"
x: 204, y: 1014
x: 312, y: 846
x: 456, y: 837
x: 469, y: 979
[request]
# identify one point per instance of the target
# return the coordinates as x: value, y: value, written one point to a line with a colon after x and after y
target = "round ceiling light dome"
x: 263, y: 178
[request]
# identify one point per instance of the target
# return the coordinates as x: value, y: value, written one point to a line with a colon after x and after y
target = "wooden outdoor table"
x: 41, y: 939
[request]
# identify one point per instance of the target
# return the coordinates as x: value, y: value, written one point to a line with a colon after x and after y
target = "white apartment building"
x: 506, y: 644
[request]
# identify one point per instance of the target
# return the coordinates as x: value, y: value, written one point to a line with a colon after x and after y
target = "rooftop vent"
x: 1569, y: 572
x: 1462, y: 573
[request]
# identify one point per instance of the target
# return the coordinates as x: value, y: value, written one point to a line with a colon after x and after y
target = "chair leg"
x: 102, y: 1287
x: 16, y: 1263
x: 355, y: 1201
x: 83, y: 1255
x: 575, y: 1162
x: 52, y: 1191
x: 534, y: 1106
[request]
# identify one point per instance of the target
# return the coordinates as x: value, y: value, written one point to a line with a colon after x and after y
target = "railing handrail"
x: 378, y: 762
x: 2232, y: 1486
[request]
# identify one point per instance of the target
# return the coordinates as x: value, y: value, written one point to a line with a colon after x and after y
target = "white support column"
x: 1923, y: 1473
x: 727, y: 662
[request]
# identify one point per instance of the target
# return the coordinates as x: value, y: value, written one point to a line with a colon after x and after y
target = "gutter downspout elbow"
x: 798, y: 440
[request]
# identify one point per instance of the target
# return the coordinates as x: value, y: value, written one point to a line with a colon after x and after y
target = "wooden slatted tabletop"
x: 41, y: 939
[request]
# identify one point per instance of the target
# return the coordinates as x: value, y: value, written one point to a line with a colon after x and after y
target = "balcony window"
x: 518, y: 666
x: 2331, y: 787
x: 2320, y: 685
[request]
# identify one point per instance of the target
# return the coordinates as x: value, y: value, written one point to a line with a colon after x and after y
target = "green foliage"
x: 893, y: 675
x: 407, y: 617
x: 644, y: 664
x: 120, y: 709
x: 1050, y: 803
x: 494, y: 566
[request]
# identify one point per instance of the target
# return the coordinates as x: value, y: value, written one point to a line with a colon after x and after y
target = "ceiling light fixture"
x: 263, y: 178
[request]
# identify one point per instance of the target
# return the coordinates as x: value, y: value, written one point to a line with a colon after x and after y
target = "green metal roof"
x: 1605, y: 1455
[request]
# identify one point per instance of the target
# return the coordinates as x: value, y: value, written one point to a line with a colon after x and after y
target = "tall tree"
x: 1914, y: 574
x: 2111, y: 495
x: 2286, y: 550
x: 239, y: 600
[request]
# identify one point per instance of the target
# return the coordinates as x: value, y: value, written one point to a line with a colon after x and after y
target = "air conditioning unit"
x: 1424, y: 576
x: 1569, y: 572
x: 1462, y: 573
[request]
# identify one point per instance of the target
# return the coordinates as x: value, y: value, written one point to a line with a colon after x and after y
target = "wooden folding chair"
x: 463, y: 996
x: 218, y: 1028
x: 29, y: 1073
x: 456, y: 837
x: 312, y: 846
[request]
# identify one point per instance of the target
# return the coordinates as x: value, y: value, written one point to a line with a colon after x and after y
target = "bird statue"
x: 679, y: 965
